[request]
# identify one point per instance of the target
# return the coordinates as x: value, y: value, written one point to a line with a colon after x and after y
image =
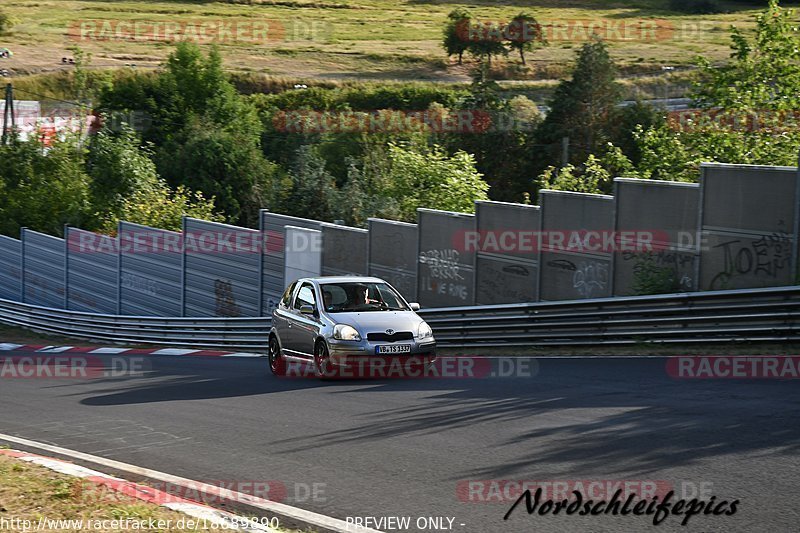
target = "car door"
x: 282, y: 314
x: 304, y: 328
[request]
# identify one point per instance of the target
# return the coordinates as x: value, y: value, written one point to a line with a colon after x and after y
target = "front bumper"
x: 362, y: 354
x: 344, y: 362
x: 363, y: 348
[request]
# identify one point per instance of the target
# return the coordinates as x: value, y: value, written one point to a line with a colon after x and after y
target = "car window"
x: 388, y: 295
x: 305, y: 296
x: 287, y: 296
x: 360, y: 297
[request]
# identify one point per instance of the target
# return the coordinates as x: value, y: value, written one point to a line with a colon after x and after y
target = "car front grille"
x: 385, y: 337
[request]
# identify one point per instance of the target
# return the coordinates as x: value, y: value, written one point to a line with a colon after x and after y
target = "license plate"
x: 393, y: 348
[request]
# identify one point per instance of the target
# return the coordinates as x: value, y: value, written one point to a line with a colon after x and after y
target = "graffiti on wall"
x: 444, y: 273
x: 139, y: 284
x: 681, y: 263
x: 769, y: 256
x: 591, y: 279
x: 511, y: 283
x: 225, y: 300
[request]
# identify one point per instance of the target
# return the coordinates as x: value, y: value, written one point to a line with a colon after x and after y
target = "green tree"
x: 434, y: 180
x: 456, y: 34
x: 627, y: 119
x: 364, y: 194
x: 583, y: 107
x: 160, y: 207
x: 43, y: 189
x: 764, y: 71
x: 486, y: 40
x: 221, y: 162
x: 119, y: 167
x: 126, y: 186
x: 592, y: 179
x: 524, y: 34
x: 313, y: 188
x: 596, y: 175
x: 500, y: 136
x: 206, y: 136
x: 747, y: 107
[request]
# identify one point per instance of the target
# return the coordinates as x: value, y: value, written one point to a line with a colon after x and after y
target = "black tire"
x: 321, y: 361
x: 277, y: 364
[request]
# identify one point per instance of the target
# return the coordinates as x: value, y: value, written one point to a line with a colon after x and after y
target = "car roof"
x: 344, y: 279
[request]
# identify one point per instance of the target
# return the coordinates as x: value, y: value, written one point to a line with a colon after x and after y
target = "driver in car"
x: 362, y: 293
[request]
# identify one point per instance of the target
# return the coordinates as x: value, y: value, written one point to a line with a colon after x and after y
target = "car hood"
x: 379, y: 321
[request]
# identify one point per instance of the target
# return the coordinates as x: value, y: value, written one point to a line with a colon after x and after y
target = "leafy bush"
x: 434, y: 180
x: 42, y: 189
x: 160, y: 207
x: 650, y: 278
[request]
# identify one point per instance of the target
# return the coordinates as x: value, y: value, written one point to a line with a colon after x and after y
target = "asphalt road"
x: 401, y: 448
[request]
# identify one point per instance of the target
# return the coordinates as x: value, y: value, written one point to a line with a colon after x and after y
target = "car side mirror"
x: 307, y: 309
x: 414, y: 306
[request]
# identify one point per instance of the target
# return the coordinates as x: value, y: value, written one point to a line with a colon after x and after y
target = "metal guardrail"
x: 196, y: 332
x: 771, y: 314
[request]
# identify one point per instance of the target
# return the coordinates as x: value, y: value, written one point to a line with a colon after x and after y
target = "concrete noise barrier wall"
x: 222, y: 269
x: 44, y: 269
x: 10, y: 268
x: 507, y: 262
x: 344, y: 250
x: 665, y: 213
x: 572, y: 267
x: 303, y: 253
x: 393, y: 249
x: 92, y: 272
x: 748, y: 220
x: 150, y: 270
x: 446, y: 271
x: 273, y: 227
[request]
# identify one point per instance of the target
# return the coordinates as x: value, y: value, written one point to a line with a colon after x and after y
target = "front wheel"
x: 277, y: 364
x: 322, y: 361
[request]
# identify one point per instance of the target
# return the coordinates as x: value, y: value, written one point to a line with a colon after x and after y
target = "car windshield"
x: 361, y: 297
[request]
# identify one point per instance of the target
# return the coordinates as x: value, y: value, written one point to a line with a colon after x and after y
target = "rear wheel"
x: 322, y: 361
x: 277, y: 364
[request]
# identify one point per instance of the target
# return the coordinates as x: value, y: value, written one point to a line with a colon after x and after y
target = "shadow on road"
x: 588, y: 413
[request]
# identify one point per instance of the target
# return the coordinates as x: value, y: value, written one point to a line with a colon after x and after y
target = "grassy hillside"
x: 341, y: 40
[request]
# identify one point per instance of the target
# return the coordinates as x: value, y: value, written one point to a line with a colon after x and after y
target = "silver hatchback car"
x: 336, y: 323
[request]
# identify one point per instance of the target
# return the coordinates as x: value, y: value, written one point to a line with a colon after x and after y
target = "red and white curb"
x: 11, y: 347
x: 293, y: 515
x: 214, y: 517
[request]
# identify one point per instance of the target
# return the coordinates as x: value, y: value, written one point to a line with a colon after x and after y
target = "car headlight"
x: 343, y: 332
x: 424, y: 331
